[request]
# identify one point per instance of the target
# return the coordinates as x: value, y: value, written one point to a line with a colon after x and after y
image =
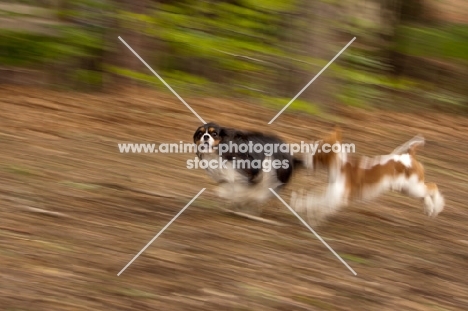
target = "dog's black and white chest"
x: 231, y: 164
x: 222, y: 169
x: 243, y: 174
x: 240, y: 185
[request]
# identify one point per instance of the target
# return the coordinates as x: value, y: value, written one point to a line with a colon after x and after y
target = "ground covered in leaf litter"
x: 75, y: 211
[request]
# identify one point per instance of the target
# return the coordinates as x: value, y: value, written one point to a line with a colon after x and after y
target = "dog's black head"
x: 209, y: 136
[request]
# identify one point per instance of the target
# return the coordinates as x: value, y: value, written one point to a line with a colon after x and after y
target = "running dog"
x: 366, y: 178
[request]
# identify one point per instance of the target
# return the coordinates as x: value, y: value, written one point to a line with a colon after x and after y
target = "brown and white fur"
x: 366, y: 178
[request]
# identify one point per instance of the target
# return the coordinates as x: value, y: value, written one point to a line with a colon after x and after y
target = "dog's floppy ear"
x: 337, y: 133
x: 223, y: 132
x: 231, y: 133
x: 334, y: 136
x: 195, y: 135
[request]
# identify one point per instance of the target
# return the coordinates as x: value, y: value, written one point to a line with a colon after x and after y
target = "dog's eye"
x: 214, y: 134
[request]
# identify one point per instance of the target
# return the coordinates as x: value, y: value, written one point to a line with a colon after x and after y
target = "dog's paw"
x: 428, y: 206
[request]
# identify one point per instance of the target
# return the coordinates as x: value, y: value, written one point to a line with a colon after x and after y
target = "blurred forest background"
x: 407, y: 53
x: 74, y: 210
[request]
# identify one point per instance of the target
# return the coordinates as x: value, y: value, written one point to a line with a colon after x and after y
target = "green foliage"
x: 360, y: 70
x: 358, y: 58
x: 448, y: 42
x: 84, y: 42
x: 24, y: 48
x: 368, y: 78
x: 358, y: 95
x: 234, y: 46
x: 445, y: 97
x: 172, y: 78
x: 227, y: 37
x: 297, y: 105
x: 27, y: 49
x: 362, y: 28
x: 362, y: 78
x: 30, y: 49
x: 87, y: 77
x: 61, y: 46
x: 279, y: 6
x: 363, y: 70
x: 363, y: 86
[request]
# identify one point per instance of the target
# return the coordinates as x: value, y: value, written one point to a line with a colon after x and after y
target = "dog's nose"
x: 206, y: 137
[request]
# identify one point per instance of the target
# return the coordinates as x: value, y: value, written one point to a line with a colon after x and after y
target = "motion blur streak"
x: 74, y: 209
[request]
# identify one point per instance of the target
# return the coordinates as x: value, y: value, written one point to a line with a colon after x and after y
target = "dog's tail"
x: 410, y: 146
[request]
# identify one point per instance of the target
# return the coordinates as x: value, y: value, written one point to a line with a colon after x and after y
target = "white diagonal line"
x: 329, y: 63
x: 312, y: 230
x: 168, y: 86
x: 157, y: 235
